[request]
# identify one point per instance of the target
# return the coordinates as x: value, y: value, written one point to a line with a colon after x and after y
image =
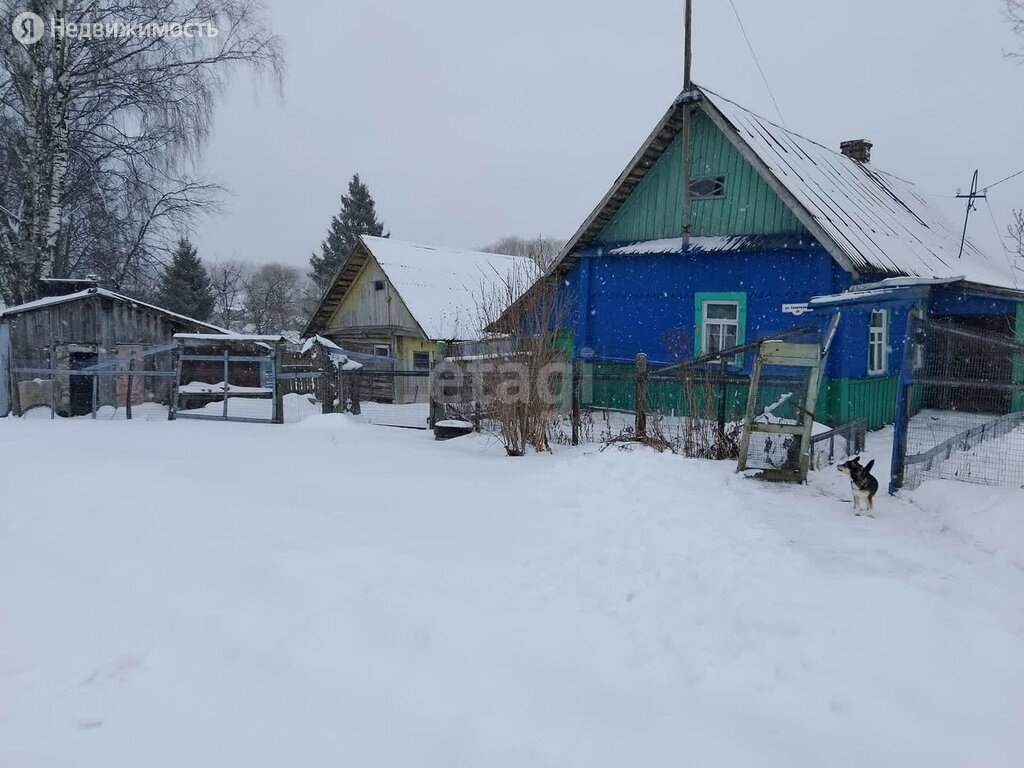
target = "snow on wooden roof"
x: 103, y: 292
x: 441, y: 287
x: 870, y: 221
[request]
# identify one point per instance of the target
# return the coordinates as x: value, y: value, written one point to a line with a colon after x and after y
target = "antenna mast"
x: 687, y: 113
x: 687, y: 50
x: 970, y: 197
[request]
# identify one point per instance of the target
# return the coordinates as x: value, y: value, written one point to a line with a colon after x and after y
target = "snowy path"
x: 331, y: 593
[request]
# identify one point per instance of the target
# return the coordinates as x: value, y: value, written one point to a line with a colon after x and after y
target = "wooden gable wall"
x: 364, y: 307
x: 654, y: 209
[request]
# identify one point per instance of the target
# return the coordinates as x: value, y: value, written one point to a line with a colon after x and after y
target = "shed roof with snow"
x: 441, y: 287
x: 103, y: 293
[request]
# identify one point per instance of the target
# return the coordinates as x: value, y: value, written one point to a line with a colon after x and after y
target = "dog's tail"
x: 869, y: 465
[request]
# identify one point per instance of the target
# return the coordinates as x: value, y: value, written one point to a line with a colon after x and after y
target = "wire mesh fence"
x: 132, y: 381
x: 152, y: 382
x: 385, y: 396
x: 963, y: 410
x: 695, y: 407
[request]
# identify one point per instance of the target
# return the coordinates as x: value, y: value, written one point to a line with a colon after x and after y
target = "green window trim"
x: 699, y: 299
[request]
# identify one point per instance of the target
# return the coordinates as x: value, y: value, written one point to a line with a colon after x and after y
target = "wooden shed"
x: 81, y: 329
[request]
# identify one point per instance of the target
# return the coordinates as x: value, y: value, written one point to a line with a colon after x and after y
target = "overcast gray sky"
x: 470, y: 120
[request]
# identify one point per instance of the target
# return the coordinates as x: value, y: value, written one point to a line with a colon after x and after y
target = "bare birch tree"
x: 99, y: 132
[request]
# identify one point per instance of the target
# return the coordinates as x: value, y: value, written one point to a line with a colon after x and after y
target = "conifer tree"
x: 358, y: 216
x: 185, y: 285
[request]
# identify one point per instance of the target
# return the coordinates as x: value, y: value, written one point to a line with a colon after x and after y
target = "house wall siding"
x: 366, y: 307
x: 654, y: 209
x: 630, y: 304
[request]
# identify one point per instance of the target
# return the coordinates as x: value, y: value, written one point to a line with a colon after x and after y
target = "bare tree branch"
x: 99, y: 137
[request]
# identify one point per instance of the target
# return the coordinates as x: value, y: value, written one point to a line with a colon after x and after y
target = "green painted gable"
x: 655, y: 208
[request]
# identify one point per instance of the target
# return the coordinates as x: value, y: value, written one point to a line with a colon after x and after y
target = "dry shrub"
x: 526, y: 391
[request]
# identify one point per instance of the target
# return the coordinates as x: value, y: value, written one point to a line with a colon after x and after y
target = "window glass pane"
x: 729, y: 340
x: 720, y: 311
x: 878, y: 319
x: 714, y: 336
x: 421, y: 361
x: 709, y: 186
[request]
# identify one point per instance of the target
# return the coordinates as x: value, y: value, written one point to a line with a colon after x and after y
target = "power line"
x: 999, y: 239
x: 764, y: 77
x: 1011, y: 176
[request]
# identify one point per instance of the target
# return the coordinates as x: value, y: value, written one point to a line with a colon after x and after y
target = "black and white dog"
x: 863, y: 483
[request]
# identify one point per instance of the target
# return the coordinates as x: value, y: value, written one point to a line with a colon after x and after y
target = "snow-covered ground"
x: 989, y: 461
x: 333, y: 593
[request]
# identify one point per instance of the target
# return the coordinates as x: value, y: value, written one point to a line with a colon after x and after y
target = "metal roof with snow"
x: 441, y: 287
x: 870, y: 221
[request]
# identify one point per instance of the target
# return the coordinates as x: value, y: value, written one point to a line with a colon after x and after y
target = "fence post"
x: 128, y: 393
x: 278, y: 392
x: 903, y: 401
x: 436, y: 406
x: 326, y: 396
x: 172, y: 408
x: 723, y: 391
x: 227, y: 386
x: 356, y: 381
x: 575, y: 406
x: 95, y: 392
x: 641, y: 395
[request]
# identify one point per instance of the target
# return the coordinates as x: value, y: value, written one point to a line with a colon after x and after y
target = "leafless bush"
x: 525, y: 389
x: 703, y: 436
x: 1017, y: 235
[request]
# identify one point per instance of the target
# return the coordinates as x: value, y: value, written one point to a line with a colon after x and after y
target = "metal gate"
x: 247, y: 366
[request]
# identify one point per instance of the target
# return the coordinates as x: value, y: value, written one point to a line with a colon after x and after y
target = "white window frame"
x: 878, y: 339
x: 917, y: 350
x: 706, y: 323
x: 377, y: 350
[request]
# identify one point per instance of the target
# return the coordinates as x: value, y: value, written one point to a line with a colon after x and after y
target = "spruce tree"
x: 185, y: 286
x: 358, y: 216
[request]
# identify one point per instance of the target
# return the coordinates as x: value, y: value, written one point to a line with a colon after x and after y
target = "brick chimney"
x: 857, y: 149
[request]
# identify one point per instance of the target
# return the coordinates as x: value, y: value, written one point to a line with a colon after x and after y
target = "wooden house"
x: 396, y: 300
x: 775, y: 220
x: 81, y: 329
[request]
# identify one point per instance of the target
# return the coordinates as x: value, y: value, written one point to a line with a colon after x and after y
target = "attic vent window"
x: 707, y: 188
x: 378, y: 285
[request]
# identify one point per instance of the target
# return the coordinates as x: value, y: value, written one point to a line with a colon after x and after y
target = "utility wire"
x: 999, y: 237
x: 1011, y: 176
x: 764, y: 77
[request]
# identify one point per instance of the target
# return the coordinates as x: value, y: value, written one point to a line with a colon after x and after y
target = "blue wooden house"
x: 783, y: 232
